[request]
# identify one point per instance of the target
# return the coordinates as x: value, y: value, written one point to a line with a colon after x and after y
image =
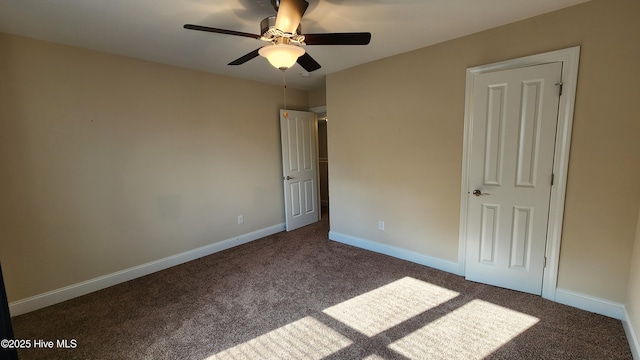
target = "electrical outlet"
x: 380, y: 225
x: 240, y: 219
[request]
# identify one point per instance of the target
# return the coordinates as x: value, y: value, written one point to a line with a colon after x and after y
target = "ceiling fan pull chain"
x: 284, y: 88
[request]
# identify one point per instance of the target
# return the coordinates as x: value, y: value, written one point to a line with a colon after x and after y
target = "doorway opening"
x: 323, y: 159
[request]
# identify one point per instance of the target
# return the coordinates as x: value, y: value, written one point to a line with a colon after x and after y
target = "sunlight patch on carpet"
x: 385, y: 307
x: 472, y: 331
x: 306, y: 338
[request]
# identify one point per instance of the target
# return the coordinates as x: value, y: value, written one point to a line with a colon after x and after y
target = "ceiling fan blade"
x: 308, y: 63
x: 244, y: 59
x: 289, y: 15
x: 220, y: 31
x: 356, y: 38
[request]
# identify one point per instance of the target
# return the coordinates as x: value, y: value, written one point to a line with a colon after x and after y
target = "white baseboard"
x: 566, y: 297
x: 631, y: 335
x: 590, y: 303
x: 602, y: 307
x: 69, y: 292
x: 444, y: 265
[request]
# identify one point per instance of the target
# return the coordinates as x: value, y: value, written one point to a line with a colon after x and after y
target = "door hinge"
x: 544, y: 264
x: 559, y: 85
x: 552, y: 178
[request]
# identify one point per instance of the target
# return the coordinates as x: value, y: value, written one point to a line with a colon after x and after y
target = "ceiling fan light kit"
x: 281, y: 56
x: 284, y: 33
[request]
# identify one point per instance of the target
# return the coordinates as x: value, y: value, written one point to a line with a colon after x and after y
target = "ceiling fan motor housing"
x: 269, y: 31
x: 276, y: 4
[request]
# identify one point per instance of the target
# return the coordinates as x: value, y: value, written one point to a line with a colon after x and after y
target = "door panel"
x: 513, y: 122
x: 494, y: 135
x: 299, y: 164
x: 529, y: 131
x: 521, y: 237
x: 489, y: 230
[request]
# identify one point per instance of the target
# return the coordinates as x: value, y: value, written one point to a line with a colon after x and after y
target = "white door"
x: 298, y: 131
x: 514, y: 116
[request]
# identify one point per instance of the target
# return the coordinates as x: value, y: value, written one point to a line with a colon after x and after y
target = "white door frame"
x: 569, y: 58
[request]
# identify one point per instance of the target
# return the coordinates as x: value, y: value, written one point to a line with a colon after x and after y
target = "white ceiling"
x: 152, y: 29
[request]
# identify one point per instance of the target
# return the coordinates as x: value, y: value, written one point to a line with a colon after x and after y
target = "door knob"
x: 478, y: 193
x: 289, y: 177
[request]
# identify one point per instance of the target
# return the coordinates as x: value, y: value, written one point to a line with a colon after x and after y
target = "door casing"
x: 569, y: 58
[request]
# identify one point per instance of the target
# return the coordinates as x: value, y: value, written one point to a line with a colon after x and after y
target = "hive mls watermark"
x: 38, y: 344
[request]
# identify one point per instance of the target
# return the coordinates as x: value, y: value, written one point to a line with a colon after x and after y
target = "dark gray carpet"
x: 299, y: 295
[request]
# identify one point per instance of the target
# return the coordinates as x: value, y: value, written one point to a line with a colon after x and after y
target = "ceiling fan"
x: 284, y: 34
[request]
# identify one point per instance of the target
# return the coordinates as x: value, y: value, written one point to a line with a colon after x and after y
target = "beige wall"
x: 395, y: 141
x: 318, y: 97
x: 108, y: 162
